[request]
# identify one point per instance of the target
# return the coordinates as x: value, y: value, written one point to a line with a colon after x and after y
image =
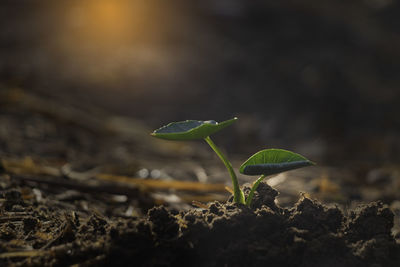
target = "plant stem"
x: 238, y: 195
x: 253, y: 189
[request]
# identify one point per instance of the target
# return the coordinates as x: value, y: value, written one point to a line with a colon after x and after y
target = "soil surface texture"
x: 222, y: 234
x: 308, y: 234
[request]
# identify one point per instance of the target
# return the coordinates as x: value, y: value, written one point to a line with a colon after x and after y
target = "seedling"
x: 265, y: 162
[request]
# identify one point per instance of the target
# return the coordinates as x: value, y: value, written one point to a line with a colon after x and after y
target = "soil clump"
x: 308, y: 234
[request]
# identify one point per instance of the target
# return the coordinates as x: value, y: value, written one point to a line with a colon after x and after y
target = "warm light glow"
x: 108, y: 11
x: 98, y: 37
x: 106, y: 41
x: 105, y: 21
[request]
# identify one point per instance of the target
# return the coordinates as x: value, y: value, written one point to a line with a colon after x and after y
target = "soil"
x: 57, y: 208
x: 82, y: 185
x: 223, y: 234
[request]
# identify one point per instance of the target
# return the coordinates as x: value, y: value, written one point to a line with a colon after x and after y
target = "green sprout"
x: 265, y: 162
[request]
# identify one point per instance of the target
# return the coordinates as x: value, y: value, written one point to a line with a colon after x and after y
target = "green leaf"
x: 190, y: 129
x: 273, y: 161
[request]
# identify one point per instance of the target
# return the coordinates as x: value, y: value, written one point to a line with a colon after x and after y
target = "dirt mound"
x: 223, y: 234
x: 309, y: 234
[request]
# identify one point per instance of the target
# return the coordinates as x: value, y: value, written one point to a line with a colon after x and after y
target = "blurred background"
x: 317, y: 77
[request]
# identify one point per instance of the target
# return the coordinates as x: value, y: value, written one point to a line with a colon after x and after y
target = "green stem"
x: 253, y: 189
x: 238, y: 195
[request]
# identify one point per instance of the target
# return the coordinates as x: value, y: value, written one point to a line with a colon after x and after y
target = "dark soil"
x: 309, y: 234
x: 56, y: 211
x: 224, y: 234
x: 76, y: 96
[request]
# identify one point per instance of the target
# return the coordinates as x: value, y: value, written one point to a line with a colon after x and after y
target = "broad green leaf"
x: 273, y: 161
x: 190, y: 129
